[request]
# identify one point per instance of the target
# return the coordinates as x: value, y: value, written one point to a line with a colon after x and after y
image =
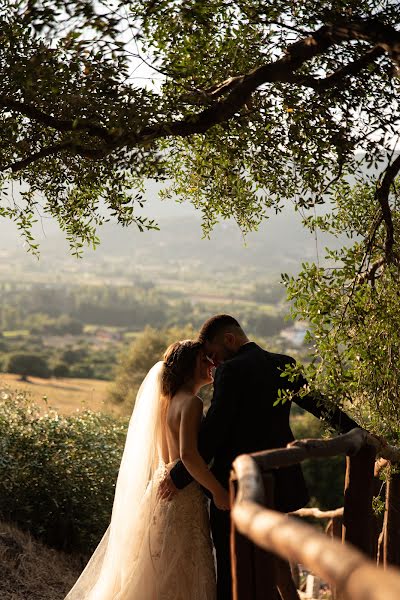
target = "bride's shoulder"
x: 194, y: 403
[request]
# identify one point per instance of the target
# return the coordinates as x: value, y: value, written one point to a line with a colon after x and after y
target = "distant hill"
x: 281, y: 243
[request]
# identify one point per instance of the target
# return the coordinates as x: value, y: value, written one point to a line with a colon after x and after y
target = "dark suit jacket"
x: 242, y: 418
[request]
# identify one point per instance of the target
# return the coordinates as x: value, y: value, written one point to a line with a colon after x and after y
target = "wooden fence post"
x: 334, y: 530
x: 253, y: 569
x: 337, y: 527
x: 241, y: 559
x: 359, y: 489
x: 391, y: 545
x: 264, y: 562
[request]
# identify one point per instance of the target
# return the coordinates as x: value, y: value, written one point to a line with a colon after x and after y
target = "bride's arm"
x: 190, y: 456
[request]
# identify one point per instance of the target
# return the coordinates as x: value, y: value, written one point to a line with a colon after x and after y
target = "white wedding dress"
x: 153, y: 549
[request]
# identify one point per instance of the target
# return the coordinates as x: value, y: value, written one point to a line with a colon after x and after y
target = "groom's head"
x: 222, y: 336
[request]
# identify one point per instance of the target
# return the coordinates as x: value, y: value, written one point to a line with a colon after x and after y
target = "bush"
x: 81, y: 371
x: 57, y: 474
x: 28, y: 364
x: 61, y: 370
x: 74, y: 355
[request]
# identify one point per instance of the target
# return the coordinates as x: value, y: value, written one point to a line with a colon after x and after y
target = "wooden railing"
x: 264, y: 541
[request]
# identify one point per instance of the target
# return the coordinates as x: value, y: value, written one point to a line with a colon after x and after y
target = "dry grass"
x: 64, y: 395
x: 30, y: 570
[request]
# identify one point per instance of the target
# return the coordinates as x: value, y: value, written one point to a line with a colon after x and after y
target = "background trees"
x: 136, y: 362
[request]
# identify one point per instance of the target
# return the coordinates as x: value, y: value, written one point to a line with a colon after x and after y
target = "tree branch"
x: 353, y: 68
x: 38, y: 115
x: 387, y: 39
x: 282, y: 70
x: 316, y: 513
x: 370, y: 274
x: 373, y: 31
x: 322, y: 84
x: 241, y: 87
x: 382, y: 196
x: 238, y: 90
x: 51, y: 151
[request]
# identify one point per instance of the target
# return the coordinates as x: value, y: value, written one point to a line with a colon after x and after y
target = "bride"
x: 155, y: 549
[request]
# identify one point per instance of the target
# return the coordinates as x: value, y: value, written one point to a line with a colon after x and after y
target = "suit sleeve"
x: 314, y: 403
x: 216, y: 425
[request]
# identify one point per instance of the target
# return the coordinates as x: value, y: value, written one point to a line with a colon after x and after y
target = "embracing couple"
x: 158, y: 544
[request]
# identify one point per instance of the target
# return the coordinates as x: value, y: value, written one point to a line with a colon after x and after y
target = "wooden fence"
x: 264, y: 542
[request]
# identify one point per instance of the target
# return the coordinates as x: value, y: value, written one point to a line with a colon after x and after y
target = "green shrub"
x: 74, y: 355
x: 57, y: 474
x: 61, y: 369
x: 81, y: 371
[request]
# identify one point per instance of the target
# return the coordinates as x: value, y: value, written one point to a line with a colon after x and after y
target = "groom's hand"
x: 167, y: 489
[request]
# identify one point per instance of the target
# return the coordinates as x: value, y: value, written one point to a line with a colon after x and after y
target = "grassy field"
x: 64, y: 395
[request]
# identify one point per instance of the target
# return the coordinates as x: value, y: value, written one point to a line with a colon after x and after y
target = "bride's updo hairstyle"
x: 179, y: 366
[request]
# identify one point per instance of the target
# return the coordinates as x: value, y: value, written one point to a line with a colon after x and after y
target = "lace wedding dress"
x: 153, y: 549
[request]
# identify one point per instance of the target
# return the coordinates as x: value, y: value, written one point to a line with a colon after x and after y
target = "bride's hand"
x: 166, y: 489
x: 221, y: 499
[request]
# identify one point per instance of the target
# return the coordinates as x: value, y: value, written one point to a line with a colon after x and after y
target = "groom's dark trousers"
x: 220, y: 529
x: 242, y: 418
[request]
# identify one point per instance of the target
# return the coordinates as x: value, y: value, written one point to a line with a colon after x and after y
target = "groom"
x: 243, y: 419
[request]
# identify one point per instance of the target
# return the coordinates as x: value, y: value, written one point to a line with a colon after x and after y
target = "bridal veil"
x: 106, y: 576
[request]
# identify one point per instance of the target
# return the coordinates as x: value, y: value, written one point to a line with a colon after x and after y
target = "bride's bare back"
x: 181, y: 432
x: 173, y: 430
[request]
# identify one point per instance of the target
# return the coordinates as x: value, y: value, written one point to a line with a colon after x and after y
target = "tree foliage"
x: 353, y: 310
x: 28, y: 364
x: 251, y: 104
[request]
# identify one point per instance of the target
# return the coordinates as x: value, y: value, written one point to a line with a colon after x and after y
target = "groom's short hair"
x: 215, y: 325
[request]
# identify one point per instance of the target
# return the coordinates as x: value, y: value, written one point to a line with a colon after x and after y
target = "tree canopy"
x: 243, y: 105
